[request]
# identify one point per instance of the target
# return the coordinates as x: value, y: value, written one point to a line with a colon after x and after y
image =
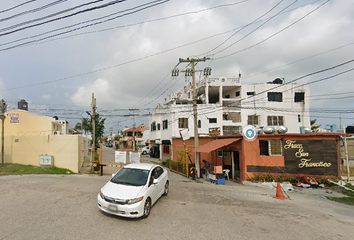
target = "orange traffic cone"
x: 279, y: 193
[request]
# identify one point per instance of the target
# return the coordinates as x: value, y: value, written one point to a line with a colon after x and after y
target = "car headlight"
x: 135, y: 200
x: 101, y: 194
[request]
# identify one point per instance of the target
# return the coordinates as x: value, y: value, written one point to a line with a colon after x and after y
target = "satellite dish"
x: 282, y: 129
x: 269, y: 130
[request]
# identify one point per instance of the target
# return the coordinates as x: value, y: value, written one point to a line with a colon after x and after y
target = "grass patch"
x: 19, y: 169
x: 345, y: 200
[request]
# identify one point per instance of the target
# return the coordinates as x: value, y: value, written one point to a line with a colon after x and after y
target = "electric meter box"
x: 46, y: 161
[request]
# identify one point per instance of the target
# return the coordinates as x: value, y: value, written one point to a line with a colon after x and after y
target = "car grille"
x: 116, y: 200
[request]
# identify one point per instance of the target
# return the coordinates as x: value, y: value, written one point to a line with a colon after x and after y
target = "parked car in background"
x: 145, y: 150
x: 133, y: 190
x: 155, y: 152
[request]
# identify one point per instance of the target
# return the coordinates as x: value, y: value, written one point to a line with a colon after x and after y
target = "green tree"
x: 83, y: 125
x: 78, y: 127
x: 314, y: 125
x: 99, y: 127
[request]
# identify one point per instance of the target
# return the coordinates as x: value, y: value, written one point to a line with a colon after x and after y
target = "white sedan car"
x: 133, y: 190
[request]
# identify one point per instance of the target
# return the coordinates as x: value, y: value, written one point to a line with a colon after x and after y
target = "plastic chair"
x: 226, y: 173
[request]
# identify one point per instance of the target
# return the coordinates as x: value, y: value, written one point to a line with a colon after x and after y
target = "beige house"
x: 130, y: 134
x: 30, y: 138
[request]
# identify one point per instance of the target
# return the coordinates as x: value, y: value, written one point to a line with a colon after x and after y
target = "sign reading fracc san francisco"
x: 317, y: 157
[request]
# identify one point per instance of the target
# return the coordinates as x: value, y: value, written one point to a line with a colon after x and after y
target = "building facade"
x: 132, y: 134
x: 292, y: 154
x: 65, y: 126
x: 29, y: 138
x: 225, y: 107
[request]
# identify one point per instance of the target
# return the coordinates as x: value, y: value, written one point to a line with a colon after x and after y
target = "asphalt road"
x: 64, y: 207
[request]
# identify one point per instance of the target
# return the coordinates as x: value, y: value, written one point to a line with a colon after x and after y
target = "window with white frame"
x: 213, y: 120
x: 299, y: 97
x: 153, y: 126
x: 182, y: 122
x: 253, y: 120
x: 270, y: 147
x: 275, y: 97
x: 164, y: 124
x: 275, y: 120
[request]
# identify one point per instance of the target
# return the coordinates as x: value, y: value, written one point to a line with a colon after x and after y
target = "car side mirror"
x: 156, y: 181
x: 113, y: 174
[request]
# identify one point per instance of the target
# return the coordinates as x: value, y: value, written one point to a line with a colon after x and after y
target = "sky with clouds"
x: 55, y: 54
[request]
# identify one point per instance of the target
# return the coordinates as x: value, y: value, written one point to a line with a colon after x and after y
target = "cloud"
x: 100, y: 88
x: 46, y: 97
x: 128, y: 65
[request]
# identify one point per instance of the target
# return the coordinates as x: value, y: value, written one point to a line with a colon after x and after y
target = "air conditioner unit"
x: 56, y: 132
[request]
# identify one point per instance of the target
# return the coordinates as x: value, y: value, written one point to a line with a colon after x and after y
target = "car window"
x: 153, y: 176
x: 159, y: 171
x: 131, y: 176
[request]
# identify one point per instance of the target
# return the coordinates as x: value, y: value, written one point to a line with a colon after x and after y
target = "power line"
x: 56, y: 19
x: 33, y: 10
x: 265, y: 22
x: 306, y: 75
x: 128, y: 25
x: 273, y: 35
x: 19, y: 5
x: 89, y: 25
x: 153, y: 89
x: 299, y: 60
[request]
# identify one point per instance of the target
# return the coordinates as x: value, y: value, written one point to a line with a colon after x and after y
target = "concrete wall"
x: 65, y: 149
x: 350, y: 145
x: 26, y: 123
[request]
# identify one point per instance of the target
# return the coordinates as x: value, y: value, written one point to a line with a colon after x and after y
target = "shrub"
x: 292, y: 178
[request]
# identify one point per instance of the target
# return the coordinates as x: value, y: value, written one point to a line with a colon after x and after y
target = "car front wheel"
x: 167, y: 188
x: 144, y: 152
x: 147, y: 208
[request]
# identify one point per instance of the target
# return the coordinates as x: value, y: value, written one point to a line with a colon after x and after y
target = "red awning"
x: 216, y: 144
x: 147, y: 141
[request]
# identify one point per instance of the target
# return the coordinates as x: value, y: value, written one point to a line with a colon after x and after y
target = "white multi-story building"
x: 225, y: 107
x: 66, y: 126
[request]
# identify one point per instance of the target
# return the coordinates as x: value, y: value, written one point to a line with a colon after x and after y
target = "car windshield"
x: 131, y: 176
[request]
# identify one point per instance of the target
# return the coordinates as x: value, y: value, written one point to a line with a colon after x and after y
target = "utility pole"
x: 347, y: 158
x: 93, y: 122
x: 133, y: 109
x: 340, y: 122
x: 118, y: 130
x: 192, y: 61
x: 2, y: 116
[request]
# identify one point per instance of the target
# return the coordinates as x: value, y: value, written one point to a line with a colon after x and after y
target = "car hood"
x: 121, y: 191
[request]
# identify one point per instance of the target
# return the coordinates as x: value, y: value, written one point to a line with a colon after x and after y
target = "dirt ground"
x: 64, y: 207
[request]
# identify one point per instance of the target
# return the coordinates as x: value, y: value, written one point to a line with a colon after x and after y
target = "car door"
x: 161, y: 182
x: 153, y: 188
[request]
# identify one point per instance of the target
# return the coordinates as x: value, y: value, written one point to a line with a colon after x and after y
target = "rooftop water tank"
x: 23, y: 105
x: 269, y: 130
x: 282, y: 129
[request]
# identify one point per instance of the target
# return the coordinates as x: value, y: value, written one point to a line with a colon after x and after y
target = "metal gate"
x: 107, y: 160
